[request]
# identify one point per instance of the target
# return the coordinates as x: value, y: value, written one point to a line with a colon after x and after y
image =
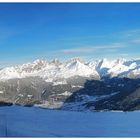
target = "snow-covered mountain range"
x: 53, y: 70
x: 73, y: 85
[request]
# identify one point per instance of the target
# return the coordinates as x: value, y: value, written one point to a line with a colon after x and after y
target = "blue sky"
x: 66, y: 30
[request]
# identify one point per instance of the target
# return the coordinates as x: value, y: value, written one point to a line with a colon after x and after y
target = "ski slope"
x: 17, y: 121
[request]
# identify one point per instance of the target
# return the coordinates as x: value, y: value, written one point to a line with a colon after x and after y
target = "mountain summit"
x: 55, y: 69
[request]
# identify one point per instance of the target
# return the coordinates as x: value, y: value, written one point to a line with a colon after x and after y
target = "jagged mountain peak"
x: 75, y: 63
x: 55, y: 62
x: 76, y: 66
x: 40, y: 61
x: 34, y: 66
x: 76, y: 59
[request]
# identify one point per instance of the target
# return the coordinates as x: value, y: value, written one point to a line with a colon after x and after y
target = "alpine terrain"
x: 73, y: 85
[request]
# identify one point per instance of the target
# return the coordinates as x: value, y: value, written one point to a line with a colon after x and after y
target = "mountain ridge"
x: 52, y: 70
x: 74, y: 85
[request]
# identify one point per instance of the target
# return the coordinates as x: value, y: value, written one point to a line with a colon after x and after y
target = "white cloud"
x: 79, y: 50
x: 131, y: 33
x: 112, y: 50
x: 124, y: 54
x: 90, y: 49
x: 137, y: 41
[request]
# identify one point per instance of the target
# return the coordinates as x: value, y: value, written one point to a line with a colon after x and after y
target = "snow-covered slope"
x: 54, y: 70
x: 17, y: 121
